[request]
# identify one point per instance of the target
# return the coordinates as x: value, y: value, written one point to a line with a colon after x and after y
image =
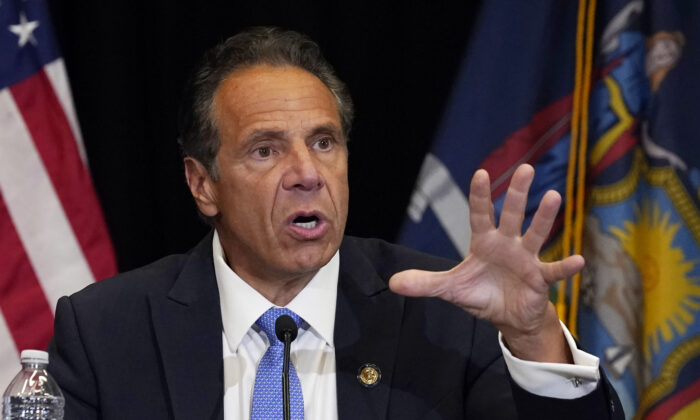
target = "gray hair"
x: 199, y: 137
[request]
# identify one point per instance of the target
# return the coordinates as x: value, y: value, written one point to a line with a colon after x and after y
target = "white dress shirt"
x: 244, y: 344
x: 313, y: 352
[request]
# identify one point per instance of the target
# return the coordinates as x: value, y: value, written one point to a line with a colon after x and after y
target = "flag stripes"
x: 53, y: 138
x: 23, y: 304
x: 56, y: 72
x: 8, y: 354
x: 53, y: 238
x: 36, y: 210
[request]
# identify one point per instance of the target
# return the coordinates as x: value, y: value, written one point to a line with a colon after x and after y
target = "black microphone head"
x: 283, y: 324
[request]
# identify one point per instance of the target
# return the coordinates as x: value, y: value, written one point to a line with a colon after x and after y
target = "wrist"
x: 546, y: 344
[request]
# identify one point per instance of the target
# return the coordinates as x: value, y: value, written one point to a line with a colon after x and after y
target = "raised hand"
x: 502, y: 279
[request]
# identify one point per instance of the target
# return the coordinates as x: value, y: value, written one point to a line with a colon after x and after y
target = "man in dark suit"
x: 265, y: 150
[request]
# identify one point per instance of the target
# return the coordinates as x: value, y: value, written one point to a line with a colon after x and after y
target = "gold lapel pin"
x: 369, y: 375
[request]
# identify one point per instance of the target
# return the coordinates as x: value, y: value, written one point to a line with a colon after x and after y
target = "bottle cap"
x: 35, y: 356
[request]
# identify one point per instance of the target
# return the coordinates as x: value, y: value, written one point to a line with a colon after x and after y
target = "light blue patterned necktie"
x: 267, y: 394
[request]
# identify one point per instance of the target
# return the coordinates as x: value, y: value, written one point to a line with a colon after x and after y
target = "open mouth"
x: 306, y: 222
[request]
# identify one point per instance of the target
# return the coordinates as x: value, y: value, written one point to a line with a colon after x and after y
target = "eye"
x: 263, y: 152
x: 324, y: 143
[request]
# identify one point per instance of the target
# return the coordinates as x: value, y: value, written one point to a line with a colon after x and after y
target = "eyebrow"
x: 266, y: 133
x: 258, y: 134
x: 329, y: 128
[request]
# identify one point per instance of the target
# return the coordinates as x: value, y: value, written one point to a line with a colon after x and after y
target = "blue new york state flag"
x: 639, y: 307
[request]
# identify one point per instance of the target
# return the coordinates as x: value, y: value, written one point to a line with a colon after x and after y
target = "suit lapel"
x: 367, y: 326
x: 187, y: 326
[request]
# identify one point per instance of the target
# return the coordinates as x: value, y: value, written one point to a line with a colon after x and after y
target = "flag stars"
x: 24, y: 30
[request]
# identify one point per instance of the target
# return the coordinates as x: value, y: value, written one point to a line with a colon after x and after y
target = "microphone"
x: 286, y: 331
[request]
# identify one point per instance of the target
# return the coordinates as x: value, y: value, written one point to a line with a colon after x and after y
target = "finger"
x: 480, y: 205
x: 511, y: 221
x: 542, y: 222
x: 555, y: 271
x: 417, y: 283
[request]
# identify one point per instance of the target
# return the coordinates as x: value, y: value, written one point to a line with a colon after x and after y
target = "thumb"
x: 418, y: 283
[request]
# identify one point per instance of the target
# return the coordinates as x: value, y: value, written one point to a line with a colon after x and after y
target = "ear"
x: 201, y: 186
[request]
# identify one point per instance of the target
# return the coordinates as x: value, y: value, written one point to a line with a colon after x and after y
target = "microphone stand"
x: 286, y: 331
x: 285, y: 375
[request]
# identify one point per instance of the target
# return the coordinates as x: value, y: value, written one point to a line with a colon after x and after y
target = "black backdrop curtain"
x: 127, y: 62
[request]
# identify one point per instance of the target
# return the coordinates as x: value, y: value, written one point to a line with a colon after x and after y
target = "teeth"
x: 307, y: 225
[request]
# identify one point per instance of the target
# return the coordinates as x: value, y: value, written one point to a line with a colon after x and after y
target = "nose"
x: 302, y: 173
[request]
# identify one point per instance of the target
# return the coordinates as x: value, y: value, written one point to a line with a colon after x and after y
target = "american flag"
x: 53, y: 239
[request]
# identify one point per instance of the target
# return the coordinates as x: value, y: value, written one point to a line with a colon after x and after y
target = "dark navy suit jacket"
x: 147, y: 344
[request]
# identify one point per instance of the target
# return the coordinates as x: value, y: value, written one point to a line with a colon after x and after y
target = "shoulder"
x: 388, y: 258
x: 368, y: 264
x: 157, y: 277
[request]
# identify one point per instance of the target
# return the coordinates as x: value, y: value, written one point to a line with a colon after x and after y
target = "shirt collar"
x: 241, y: 305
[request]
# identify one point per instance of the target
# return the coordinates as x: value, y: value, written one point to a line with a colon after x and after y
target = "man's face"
x: 282, y: 192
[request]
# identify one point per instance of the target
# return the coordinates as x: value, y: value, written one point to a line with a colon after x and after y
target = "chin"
x: 307, y: 265
x: 311, y: 259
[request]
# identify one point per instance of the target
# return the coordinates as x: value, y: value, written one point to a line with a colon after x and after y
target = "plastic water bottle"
x: 33, y: 394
